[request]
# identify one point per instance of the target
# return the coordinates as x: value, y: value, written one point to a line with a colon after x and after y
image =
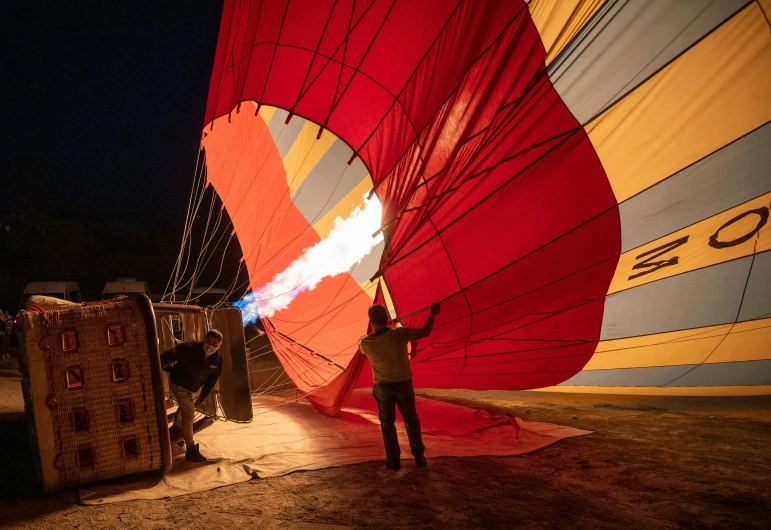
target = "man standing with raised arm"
x: 386, y: 349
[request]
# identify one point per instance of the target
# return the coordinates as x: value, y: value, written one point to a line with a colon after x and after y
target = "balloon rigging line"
x: 342, y: 67
x: 313, y: 57
x: 736, y: 320
x: 285, y: 249
x: 201, y: 254
x: 204, y: 246
x: 687, y: 338
x: 334, y: 52
x: 341, y: 305
x: 193, y: 203
x: 286, y: 209
x: 190, y: 227
x: 308, y: 340
x: 227, y: 147
x: 222, y: 73
x: 225, y: 228
x: 588, y: 121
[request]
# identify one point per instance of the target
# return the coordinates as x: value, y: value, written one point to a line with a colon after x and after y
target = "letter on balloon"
x: 762, y: 214
x: 653, y: 266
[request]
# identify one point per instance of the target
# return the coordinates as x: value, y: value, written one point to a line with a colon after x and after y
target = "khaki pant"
x: 185, y: 412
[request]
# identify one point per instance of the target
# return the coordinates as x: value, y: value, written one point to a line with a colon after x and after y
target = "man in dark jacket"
x: 192, y: 366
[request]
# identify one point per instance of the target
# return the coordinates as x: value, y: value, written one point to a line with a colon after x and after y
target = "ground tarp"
x: 295, y: 437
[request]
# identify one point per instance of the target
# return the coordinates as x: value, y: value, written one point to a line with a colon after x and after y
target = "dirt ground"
x: 652, y: 463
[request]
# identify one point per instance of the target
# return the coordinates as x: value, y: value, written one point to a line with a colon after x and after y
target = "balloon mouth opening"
x: 351, y: 240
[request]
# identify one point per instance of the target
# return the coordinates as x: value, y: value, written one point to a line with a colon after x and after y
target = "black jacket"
x: 192, y: 369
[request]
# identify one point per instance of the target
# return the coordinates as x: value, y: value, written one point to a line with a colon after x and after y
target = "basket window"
x: 74, y: 377
x: 130, y: 448
x: 114, y: 334
x: 69, y: 340
x: 121, y: 370
x: 176, y: 327
x: 85, y: 456
x: 125, y: 411
x: 80, y: 419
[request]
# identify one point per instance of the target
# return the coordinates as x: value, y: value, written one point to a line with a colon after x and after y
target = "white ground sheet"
x: 289, y: 437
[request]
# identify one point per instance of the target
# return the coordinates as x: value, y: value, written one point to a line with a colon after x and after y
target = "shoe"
x: 194, y: 455
x: 391, y: 465
x: 420, y: 461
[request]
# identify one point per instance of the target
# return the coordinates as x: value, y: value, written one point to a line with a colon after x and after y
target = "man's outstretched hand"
x: 425, y: 331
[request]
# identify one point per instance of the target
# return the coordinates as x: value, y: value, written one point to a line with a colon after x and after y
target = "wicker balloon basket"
x: 93, y: 392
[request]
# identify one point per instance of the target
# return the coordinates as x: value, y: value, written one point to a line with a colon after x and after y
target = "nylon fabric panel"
x: 707, y: 98
x: 729, y: 177
x: 665, y: 391
x: 748, y: 373
x: 745, y: 341
x: 757, y: 300
x: 245, y: 167
x: 354, y: 199
x: 408, y: 32
x: 503, y: 328
x: 468, y: 125
x: 388, y: 301
x: 743, y: 230
x: 440, y: 94
x: 626, y: 42
x: 309, y: 371
x: 266, y: 113
x: 284, y: 134
x: 236, y: 152
x: 305, y: 154
x: 724, y: 374
x: 559, y: 21
x: 700, y: 298
x: 330, y: 180
x: 328, y: 319
x: 330, y: 397
x: 653, y: 376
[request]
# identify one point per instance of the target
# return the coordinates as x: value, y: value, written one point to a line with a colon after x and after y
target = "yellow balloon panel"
x: 733, y: 234
x: 705, y: 99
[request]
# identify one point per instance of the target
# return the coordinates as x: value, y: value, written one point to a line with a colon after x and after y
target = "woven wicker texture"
x: 88, y: 392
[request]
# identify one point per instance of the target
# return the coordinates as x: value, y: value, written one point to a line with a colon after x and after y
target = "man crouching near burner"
x: 192, y: 366
x: 386, y: 349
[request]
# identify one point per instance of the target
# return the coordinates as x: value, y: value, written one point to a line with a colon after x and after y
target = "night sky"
x: 109, y: 98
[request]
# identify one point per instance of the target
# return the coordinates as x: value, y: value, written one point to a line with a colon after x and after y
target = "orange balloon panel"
x: 247, y: 171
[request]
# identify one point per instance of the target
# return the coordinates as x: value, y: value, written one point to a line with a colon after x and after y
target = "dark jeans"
x: 388, y: 395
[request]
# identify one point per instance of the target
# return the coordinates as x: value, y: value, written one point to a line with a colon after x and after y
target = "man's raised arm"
x: 425, y: 331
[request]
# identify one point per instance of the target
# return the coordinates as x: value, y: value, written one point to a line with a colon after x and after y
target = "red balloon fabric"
x: 494, y: 200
